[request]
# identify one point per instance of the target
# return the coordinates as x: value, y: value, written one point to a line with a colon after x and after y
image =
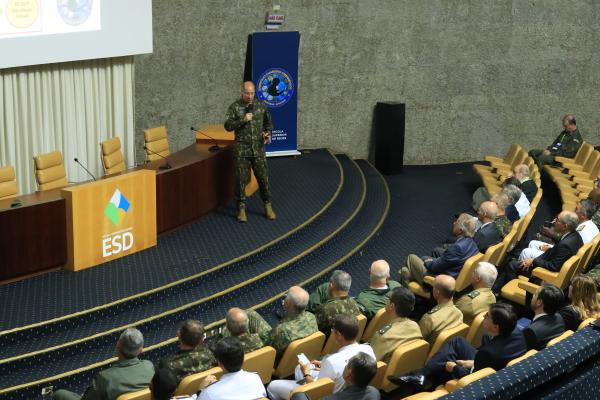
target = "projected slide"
x: 21, y: 18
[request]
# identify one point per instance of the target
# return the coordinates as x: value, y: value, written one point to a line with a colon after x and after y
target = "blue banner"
x: 274, y: 57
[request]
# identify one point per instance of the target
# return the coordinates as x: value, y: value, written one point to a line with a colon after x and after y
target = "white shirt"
x: 522, y: 205
x: 239, y: 385
x: 333, y: 365
x: 587, y: 230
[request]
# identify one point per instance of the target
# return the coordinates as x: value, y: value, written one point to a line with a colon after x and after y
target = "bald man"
x: 443, y: 316
x: 251, y: 122
x: 236, y: 322
x: 488, y: 233
x: 565, y: 145
x: 378, y: 294
x: 528, y: 185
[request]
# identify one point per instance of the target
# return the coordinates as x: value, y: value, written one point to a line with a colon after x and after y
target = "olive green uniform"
x: 319, y: 297
x: 504, y: 225
x: 327, y: 312
x: 399, y: 331
x: 439, y: 318
x: 474, y: 303
x: 186, y: 362
x: 248, y: 147
x: 566, y: 144
x: 372, y: 300
x: 250, y: 342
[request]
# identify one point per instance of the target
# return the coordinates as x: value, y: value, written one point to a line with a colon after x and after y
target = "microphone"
x: 86, y: 170
x: 212, y: 148
x: 250, y: 108
x: 167, y: 165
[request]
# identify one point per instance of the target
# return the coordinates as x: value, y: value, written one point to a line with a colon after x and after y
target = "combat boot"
x: 242, y: 213
x: 269, y: 211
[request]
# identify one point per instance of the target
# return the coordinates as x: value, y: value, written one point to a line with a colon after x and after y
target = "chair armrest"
x: 544, y: 274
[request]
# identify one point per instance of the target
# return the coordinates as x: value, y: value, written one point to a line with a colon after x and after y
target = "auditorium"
x: 279, y: 199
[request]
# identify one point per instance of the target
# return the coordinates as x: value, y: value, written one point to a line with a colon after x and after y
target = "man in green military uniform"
x: 237, y: 324
x: 401, y: 329
x: 128, y: 374
x: 443, y: 316
x: 251, y: 122
x: 502, y: 222
x: 323, y: 292
x: 480, y: 298
x: 192, y: 356
x: 339, y: 303
x: 377, y: 295
x: 565, y: 145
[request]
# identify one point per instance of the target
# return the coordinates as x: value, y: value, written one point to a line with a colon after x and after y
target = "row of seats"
x: 50, y: 170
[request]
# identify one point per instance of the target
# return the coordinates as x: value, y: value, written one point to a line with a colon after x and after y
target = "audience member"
x: 566, y: 144
x: 547, y: 323
x: 358, y: 373
x: 584, y: 302
x: 323, y: 293
x: 128, y: 374
x: 527, y: 185
x: 236, y: 323
x: 444, y: 315
x: 377, y: 295
x: 339, y: 301
x: 164, y: 384
x: 514, y: 195
x: 502, y: 222
x: 488, y: 233
x: 521, y: 203
x: 481, y: 297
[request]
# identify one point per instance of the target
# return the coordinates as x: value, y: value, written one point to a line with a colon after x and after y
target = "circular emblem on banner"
x: 74, y: 12
x: 275, y: 87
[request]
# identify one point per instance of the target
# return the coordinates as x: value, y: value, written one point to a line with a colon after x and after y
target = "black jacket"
x: 542, y: 330
x: 529, y: 188
x: 554, y: 258
x: 487, y: 236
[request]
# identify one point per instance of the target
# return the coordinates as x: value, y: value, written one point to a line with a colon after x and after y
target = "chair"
x: 494, y: 253
x: 446, y: 335
x: 454, y: 384
x: 585, y: 323
x: 191, y: 383
x: 568, y: 269
x: 463, y: 280
x: 50, y: 171
x: 557, y: 339
x: 156, y: 141
x: 331, y: 346
x: 436, y: 394
x: 521, y: 358
x: 380, y: 319
x: 311, y: 346
x: 508, y: 158
x: 315, y: 390
x: 516, y: 289
x: 8, y: 183
x: 582, y: 154
x: 476, y: 330
x: 261, y: 361
x: 112, y: 156
x: 143, y: 394
x: 405, y: 358
x: 380, y: 376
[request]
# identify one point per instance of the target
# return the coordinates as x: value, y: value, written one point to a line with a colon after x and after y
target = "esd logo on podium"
x: 122, y: 240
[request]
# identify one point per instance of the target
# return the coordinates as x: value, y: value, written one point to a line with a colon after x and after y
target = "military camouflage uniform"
x: 504, y: 225
x: 186, y: 362
x: 596, y: 218
x: 326, y: 314
x: 439, y: 318
x: 595, y: 274
x: 249, y: 148
x: 372, y: 300
x: 399, y: 331
x: 565, y: 145
x: 250, y: 342
x: 474, y: 303
x: 319, y: 297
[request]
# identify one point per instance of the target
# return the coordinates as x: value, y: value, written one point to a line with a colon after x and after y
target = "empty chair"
x: 112, y: 156
x: 156, y: 142
x: 50, y: 171
x: 8, y: 183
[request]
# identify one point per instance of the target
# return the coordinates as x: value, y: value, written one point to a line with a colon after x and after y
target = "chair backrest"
x: 521, y: 358
x: 591, y: 163
x: 589, y: 255
x: 377, y: 322
x: 315, y: 390
x: 445, y: 335
x: 156, y: 140
x: 143, y: 394
x: 8, y: 183
x: 112, y: 156
x: 583, y: 153
x: 519, y: 158
x: 262, y: 362
x: 571, y: 266
x: 380, y: 376
x: 586, y: 322
x: 311, y: 346
x: 331, y: 346
x: 50, y: 171
x: 476, y: 330
x: 405, y: 358
x: 436, y: 394
x: 494, y: 253
x: 511, y: 237
x: 536, y: 199
x: 557, y: 339
x: 475, y: 376
x: 523, y: 226
x: 513, y: 150
x: 191, y: 383
x: 463, y: 280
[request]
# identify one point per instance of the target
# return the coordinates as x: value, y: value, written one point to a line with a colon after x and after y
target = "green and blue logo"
x: 116, y: 203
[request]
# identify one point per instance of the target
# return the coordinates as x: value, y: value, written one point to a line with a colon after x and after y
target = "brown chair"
x: 143, y: 394
x: 261, y: 361
x: 436, y: 394
x: 156, y: 141
x: 50, y: 171
x: 380, y: 319
x: 311, y: 346
x: 331, y: 346
x: 454, y: 384
x: 557, y: 339
x: 521, y: 358
x: 445, y: 335
x: 112, y: 156
x: 191, y: 383
x: 315, y: 390
x: 476, y: 330
x: 8, y: 183
x: 405, y: 358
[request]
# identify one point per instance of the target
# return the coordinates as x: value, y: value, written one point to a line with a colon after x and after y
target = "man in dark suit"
x: 458, y: 358
x: 547, y: 323
x: 488, y: 233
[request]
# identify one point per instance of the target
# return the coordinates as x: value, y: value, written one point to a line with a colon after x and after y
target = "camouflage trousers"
x: 242, y: 166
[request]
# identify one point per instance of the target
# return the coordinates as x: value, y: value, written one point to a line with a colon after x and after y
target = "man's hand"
x: 546, y: 152
x: 544, y: 247
x: 468, y: 364
x: 317, y: 364
x: 267, y: 137
x: 209, y: 380
x: 248, y: 117
x: 548, y: 232
x: 450, y: 366
x: 526, y: 264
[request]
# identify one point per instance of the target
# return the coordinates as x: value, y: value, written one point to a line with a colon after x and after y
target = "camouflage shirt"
x: 596, y: 218
x: 250, y: 342
x: 291, y: 328
x: 372, y: 300
x: 504, y: 225
x: 186, y: 362
x: 342, y: 305
x: 249, y: 140
x: 566, y: 144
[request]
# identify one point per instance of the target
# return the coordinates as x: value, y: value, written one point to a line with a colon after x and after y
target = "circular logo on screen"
x: 74, y: 12
x: 275, y: 87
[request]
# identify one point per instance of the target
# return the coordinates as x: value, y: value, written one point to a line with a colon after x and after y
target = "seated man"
x: 478, y: 300
x: 321, y: 294
x: 164, y: 384
x: 512, y: 187
x: 502, y: 222
x: 458, y: 358
x: 128, y: 374
x: 359, y: 372
x: 547, y: 322
x: 488, y: 233
x: 235, y: 382
x: 565, y: 145
x: 377, y: 295
x: 527, y: 185
x: 443, y: 316
x: 192, y: 356
x: 400, y: 329
x: 345, y: 331
x: 339, y: 301
x: 236, y: 323
x: 451, y: 260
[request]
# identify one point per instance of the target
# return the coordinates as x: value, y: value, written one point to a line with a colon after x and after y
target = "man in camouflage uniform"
x: 565, y: 145
x: 377, y: 295
x: 502, y: 222
x: 192, y: 356
x: 339, y: 303
x: 236, y: 322
x: 251, y: 122
x: 400, y: 329
x: 443, y: 316
x: 478, y: 300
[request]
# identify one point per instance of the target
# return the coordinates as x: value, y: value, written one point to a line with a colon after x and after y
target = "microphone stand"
x: 167, y: 165
x: 212, y: 148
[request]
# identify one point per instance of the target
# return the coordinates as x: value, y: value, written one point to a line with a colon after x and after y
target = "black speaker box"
x: 389, y: 137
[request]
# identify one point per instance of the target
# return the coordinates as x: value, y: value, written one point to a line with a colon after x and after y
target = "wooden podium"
x: 110, y: 218
x: 216, y: 134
